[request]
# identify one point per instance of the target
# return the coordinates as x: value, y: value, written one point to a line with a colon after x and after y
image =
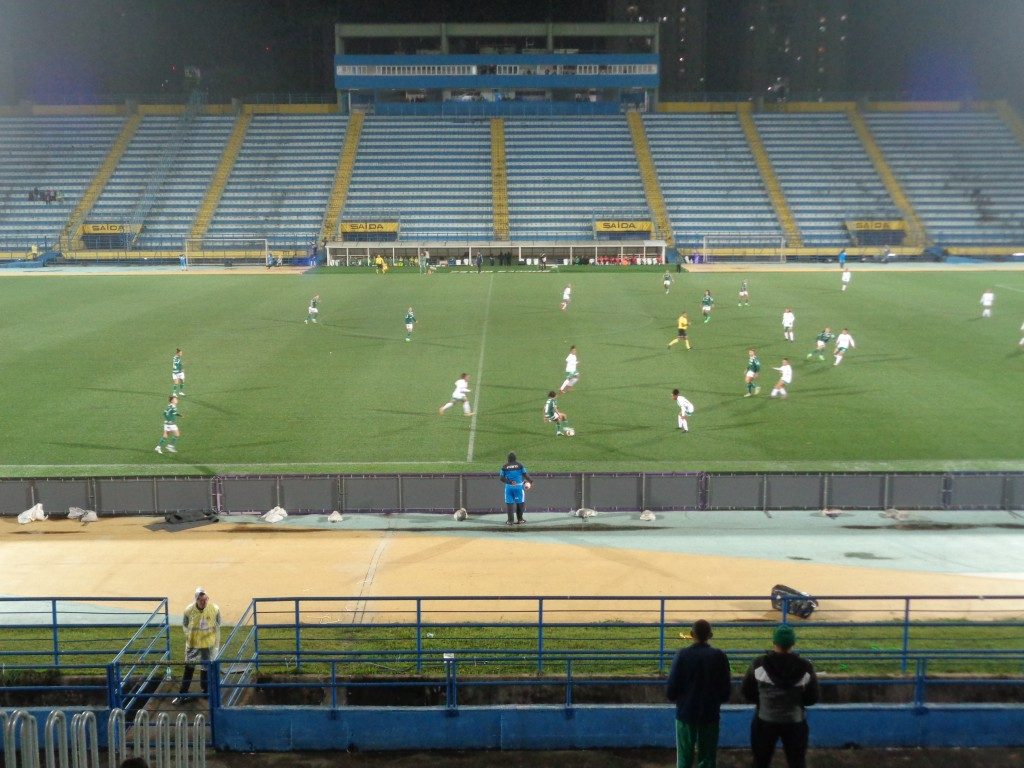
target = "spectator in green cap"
x: 780, y: 684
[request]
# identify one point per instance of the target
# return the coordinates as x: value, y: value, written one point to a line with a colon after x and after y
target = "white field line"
x: 479, y: 373
x: 1010, y: 287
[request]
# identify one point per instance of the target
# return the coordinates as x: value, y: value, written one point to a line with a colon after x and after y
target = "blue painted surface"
x: 591, y: 727
x: 990, y: 545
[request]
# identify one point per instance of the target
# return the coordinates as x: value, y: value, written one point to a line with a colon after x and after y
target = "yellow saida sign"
x: 875, y: 225
x: 622, y: 226
x: 107, y: 229
x: 369, y: 226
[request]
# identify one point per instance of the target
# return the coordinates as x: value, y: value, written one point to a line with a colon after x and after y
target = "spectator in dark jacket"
x: 699, y: 685
x: 780, y: 684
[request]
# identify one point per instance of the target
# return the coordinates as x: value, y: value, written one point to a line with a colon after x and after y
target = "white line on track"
x: 479, y: 372
x: 378, y: 553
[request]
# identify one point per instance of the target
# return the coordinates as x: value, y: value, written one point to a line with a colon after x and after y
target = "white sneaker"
x: 158, y: 449
x: 171, y: 449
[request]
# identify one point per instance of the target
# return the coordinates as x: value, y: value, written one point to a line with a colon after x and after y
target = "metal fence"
x: 480, y: 493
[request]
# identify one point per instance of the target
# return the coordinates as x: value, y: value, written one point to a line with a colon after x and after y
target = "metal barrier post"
x: 298, y: 636
x: 113, y: 686
x: 334, y: 683
x: 163, y: 740
x: 141, y: 735
x: 29, y: 740
x: 199, y: 741
x: 419, y: 635
x: 540, y: 635
x: 181, y: 741
x: 85, y: 749
x: 661, y: 636
x: 54, y: 632
x: 451, y: 688
x: 919, y: 683
x: 117, y: 741
x: 568, y: 683
x: 56, y: 731
x: 906, y: 634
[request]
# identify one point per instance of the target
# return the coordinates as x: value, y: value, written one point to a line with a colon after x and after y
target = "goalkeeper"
x: 517, y: 481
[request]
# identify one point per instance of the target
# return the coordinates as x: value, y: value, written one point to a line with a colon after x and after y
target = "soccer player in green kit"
x: 410, y: 321
x: 820, y: 342
x: 753, y: 369
x: 170, y: 436
x: 706, y: 303
x: 177, y: 374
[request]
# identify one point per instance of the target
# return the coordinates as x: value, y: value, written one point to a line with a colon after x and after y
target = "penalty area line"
x: 479, y: 373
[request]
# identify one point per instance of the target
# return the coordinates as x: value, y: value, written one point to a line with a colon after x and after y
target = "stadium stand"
x: 564, y: 173
x: 280, y: 183
x: 61, y: 153
x: 176, y: 201
x: 432, y: 175
x: 962, y: 171
x: 708, y: 177
x: 825, y: 174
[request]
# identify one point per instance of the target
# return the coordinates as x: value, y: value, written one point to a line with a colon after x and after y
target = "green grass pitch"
x: 86, y: 373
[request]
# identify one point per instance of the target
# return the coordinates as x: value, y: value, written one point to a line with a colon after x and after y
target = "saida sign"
x: 369, y: 226
x: 609, y: 225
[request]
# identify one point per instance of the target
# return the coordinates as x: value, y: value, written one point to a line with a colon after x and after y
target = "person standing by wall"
x: 517, y: 482
x: 201, y: 624
x: 781, y: 685
x: 699, y: 684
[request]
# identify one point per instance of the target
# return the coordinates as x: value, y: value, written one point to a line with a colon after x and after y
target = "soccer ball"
x: 569, y: 431
x: 460, y: 514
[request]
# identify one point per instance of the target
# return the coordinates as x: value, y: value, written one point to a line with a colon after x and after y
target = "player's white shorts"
x: 171, y: 429
x: 786, y: 379
x: 314, y: 311
x: 841, y: 350
x: 744, y: 294
x: 408, y: 326
x: 787, y: 327
x: 687, y: 410
x: 749, y: 375
x: 820, y: 344
x: 458, y: 398
x: 706, y: 310
x: 666, y: 283
x: 178, y: 376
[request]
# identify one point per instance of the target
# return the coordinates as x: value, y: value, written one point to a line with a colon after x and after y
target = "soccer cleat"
x: 471, y: 413
x: 757, y: 390
x: 158, y: 449
x: 520, y: 521
x: 749, y: 394
x: 306, y: 322
x: 440, y: 411
x: 171, y: 449
x: 180, y: 700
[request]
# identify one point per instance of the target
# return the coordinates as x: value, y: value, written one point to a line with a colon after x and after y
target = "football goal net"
x: 743, y: 246
x: 206, y: 249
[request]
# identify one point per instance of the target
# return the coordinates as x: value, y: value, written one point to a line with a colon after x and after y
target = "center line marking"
x: 479, y: 372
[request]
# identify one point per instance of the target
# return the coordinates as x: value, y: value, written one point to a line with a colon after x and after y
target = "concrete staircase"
x: 499, y: 179
x: 649, y: 176
x: 204, y: 215
x: 771, y: 181
x: 342, y: 176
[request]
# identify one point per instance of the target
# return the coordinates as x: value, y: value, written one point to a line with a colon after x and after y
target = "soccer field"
x: 86, y: 373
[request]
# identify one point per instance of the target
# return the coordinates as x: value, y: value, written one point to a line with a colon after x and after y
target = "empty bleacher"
x: 563, y: 173
x: 60, y: 153
x: 280, y: 183
x: 962, y: 171
x: 195, y: 155
x: 708, y: 177
x: 825, y: 174
x: 431, y: 175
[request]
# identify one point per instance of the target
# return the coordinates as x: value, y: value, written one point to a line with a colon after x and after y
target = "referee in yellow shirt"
x: 682, y: 324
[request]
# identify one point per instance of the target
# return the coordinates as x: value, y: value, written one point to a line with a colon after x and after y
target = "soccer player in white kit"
x: 685, y: 409
x: 847, y: 275
x: 566, y: 297
x: 785, y: 378
x: 988, y: 298
x: 788, y: 321
x: 844, y: 341
x: 572, y: 374
x: 460, y: 394
x: 1022, y: 337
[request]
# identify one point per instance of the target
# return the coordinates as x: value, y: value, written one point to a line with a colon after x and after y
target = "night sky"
x: 102, y: 47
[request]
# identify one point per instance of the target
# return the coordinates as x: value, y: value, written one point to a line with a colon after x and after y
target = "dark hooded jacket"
x: 699, y: 683
x: 781, y: 685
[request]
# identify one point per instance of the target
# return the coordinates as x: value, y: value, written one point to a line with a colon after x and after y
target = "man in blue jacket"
x: 699, y: 684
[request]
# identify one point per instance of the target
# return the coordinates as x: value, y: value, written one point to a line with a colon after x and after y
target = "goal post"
x: 743, y: 246
x: 200, y: 249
